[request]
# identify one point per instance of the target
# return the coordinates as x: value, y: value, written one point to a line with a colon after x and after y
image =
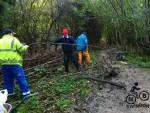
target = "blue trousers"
x: 11, y: 72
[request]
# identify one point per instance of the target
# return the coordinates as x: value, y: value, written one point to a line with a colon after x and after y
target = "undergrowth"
x: 57, y: 94
x: 140, y: 61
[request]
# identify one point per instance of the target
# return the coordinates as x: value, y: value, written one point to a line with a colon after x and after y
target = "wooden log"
x: 102, y: 81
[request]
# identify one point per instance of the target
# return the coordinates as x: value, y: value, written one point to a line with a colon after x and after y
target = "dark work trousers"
x: 67, y: 57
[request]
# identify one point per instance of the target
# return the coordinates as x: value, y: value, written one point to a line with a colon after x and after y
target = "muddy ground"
x: 113, y: 100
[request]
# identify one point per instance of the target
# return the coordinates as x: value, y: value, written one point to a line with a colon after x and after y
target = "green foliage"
x: 57, y: 92
x: 62, y: 103
x: 40, y: 70
x: 120, y: 22
x: 141, y: 61
x: 84, y: 91
x: 29, y: 106
x: 63, y: 87
x: 92, y: 56
x: 5, y: 11
x: 60, y: 71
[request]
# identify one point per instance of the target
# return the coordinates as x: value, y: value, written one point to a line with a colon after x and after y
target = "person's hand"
x: 55, y: 48
x: 49, y: 43
x: 26, y: 46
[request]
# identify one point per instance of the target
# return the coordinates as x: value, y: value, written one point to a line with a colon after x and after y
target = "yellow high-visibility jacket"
x: 11, y: 50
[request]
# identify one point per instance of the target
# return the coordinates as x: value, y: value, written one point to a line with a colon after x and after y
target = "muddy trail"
x: 113, y: 100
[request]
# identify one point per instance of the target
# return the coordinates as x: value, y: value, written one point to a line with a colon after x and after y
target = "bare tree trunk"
x: 147, y: 21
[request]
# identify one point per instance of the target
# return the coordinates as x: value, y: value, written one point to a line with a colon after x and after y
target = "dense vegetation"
x: 56, y: 94
x: 121, y: 23
x: 118, y: 22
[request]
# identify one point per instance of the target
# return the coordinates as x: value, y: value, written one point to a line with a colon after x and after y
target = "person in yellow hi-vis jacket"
x: 82, y: 49
x: 11, y: 51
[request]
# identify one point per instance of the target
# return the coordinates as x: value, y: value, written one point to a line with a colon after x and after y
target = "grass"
x: 64, y: 91
x: 56, y: 94
x: 29, y: 106
x: 140, y: 61
x: 62, y: 104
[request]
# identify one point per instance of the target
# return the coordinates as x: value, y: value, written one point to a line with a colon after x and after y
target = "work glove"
x: 50, y: 43
x: 24, y: 50
x: 26, y: 46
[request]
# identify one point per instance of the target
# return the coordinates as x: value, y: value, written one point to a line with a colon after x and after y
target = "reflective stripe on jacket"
x: 11, y: 50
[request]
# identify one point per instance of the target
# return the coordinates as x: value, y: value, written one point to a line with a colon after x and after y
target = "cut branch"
x: 102, y: 81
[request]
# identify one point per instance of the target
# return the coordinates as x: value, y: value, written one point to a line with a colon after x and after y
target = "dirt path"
x: 112, y: 100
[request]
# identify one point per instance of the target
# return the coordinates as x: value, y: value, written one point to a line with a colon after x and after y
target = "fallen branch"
x: 103, y: 81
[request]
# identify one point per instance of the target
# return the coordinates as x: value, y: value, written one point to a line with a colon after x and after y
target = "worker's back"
x: 81, y: 42
x: 8, y: 51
